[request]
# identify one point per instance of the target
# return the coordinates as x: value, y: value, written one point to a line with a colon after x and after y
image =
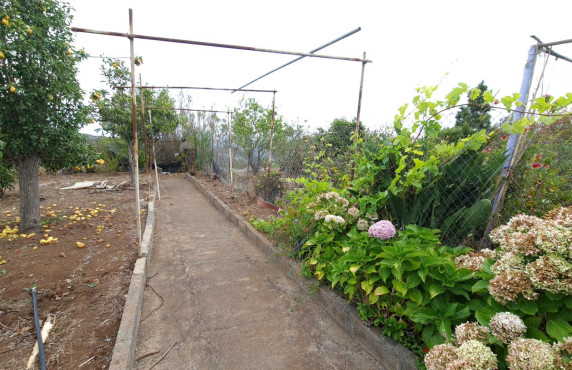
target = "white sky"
x: 411, y: 43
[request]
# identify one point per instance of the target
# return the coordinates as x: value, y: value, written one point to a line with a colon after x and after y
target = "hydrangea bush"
x: 534, y: 256
x: 471, y: 348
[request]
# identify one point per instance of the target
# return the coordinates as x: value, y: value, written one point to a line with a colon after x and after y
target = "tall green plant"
x: 41, y: 107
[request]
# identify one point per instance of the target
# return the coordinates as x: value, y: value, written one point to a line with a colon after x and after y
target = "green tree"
x: 114, y: 109
x: 251, y: 130
x: 339, y: 137
x: 41, y: 106
x: 470, y: 118
x: 476, y: 113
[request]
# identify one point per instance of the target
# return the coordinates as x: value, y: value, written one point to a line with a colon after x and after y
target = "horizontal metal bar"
x: 195, y: 88
x: 560, y: 56
x: 212, y: 44
x: 190, y: 110
x: 556, y: 43
x: 297, y: 59
x: 547, y: 48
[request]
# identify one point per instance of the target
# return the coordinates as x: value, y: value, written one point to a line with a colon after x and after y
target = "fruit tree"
x: 41, y: 106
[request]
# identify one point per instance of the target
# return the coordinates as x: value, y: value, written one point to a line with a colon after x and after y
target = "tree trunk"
x: 28, y: 167
x: 131, y: 164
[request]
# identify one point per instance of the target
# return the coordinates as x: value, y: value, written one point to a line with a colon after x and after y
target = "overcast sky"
x: 411, y: 43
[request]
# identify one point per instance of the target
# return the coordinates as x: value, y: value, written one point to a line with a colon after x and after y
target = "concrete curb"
x: 126, y: 341
x: 387, y: 351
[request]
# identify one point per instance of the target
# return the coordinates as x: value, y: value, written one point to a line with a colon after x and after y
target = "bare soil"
x: 82, y: 274
x: 81, y: 287
x: 239, y: 202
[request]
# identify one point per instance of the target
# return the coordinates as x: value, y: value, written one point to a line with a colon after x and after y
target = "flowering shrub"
x: 472, y: 348
x: 382, y: 230
x: 534, y: 255
x: 531, y: 354
x: 471, y: 354
x: 471, y: 331
x: 440, y: 356
x: 331, y: 208
x: 507, y: 326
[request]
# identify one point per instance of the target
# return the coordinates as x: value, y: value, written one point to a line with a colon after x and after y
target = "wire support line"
x: 212, y: 44
x: 197, y: 88
x: 301, y: 57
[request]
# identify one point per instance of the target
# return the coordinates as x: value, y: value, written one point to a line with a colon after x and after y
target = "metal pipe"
x: 190, y: 110
x: 270, y: 150
x: 230, y: 151
x: 135, y: 146
x: 38, y: 330
x: 555, y: 43
x: 145, y: 139
x: 155, y: 158
x: 513, y: 139
x: 197, y: 88
x: 131, y: 35
x: 297, y: 59
x: 548, y: 49
x: 358, y: 117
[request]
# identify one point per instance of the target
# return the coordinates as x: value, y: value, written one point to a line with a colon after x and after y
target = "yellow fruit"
x: 12, y: 89
x: 69, y: 52
x: 80, y: 245
x: 2, y: 55
x: 6, y: 22
x: 29, y: 30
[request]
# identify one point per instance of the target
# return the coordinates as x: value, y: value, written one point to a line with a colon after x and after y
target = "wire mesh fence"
x: 458, y: 199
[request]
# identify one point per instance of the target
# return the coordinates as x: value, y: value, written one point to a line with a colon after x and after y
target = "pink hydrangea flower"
x: 382, y: 230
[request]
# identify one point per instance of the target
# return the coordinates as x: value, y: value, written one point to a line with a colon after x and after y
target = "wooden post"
x: 356, y: 139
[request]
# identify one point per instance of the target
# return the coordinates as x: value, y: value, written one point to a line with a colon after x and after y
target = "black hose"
x: 38, y: 331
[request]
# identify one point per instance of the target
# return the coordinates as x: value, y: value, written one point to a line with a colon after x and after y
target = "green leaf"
x: 431, y: 336
x: 380, y: 290
x: 558, y: 329
x: 536, y: 333
x: 480, y: 286
x: 370, y: 269
x: 415, y: 295
x: 528, y: 307
x: 484, y: 315
x: 461, y: 314
x: 400, y: 287
x: 533, y: 322
x: 568, y: 301
x: 436, y: 289
x: 373, y: 299
x: 546, y: 305
x: 384, y: 274
x: 365, y: 285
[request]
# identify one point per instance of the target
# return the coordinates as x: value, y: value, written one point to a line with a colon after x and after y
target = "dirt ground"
x: 82, y: 273
x: 237, y: 201
x: 82, y: 289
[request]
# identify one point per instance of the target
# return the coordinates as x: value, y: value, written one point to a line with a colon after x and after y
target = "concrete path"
x: 219, y: 302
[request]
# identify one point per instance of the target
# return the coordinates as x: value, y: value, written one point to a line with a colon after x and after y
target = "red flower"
x: 487, y: 150
x: 425, y: 349
x: 546, y: 166
x: 496, y: 102
x: 504, y: 137
x: 538, y: 156
x: 536, y: 165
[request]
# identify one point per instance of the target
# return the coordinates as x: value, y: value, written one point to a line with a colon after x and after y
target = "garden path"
x: 222, y: 303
